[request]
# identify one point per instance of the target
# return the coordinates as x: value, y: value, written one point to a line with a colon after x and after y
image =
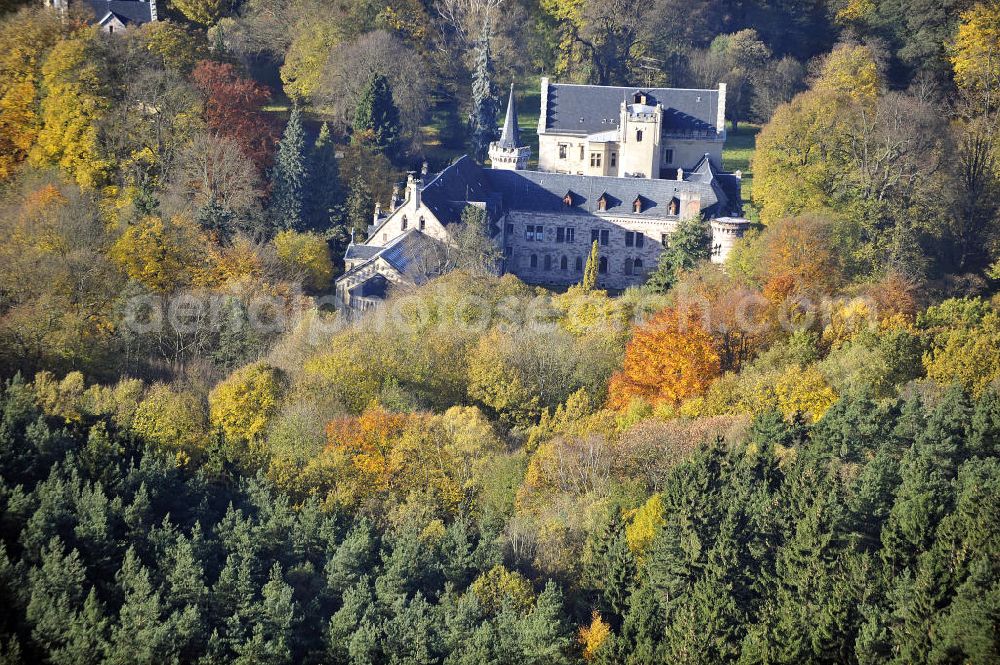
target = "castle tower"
x: 639, y: 137
x: 508, y: 153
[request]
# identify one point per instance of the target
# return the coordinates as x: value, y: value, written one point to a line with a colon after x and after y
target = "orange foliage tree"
x: 368, y: 440
x: 669, y: 359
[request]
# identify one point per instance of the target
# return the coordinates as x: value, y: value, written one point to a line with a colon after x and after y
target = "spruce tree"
x: 589, y: 282
x: 288, y: 177
x: 376, y: 118
x: 483, y: 119
x: 323, y: 194
x: 360, y: 208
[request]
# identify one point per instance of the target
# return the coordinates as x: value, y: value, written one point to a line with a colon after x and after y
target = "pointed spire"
x: 510, y: 137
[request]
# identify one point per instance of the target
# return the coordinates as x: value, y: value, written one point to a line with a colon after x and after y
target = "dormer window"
x: 639, y: 98
x: 637, y: 204
x: 568, y: 199
x: 675, y: 206
x: 602, y: 203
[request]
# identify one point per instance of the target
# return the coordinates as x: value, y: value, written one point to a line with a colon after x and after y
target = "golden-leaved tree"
x: 669, y: 359
x: 243, y: 404
x: 26, y: 37
x: 975, y: 55
x: 73, y: 104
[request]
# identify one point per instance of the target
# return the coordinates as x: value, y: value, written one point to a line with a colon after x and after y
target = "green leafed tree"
x: 483, y: 119
x: 688, y: 245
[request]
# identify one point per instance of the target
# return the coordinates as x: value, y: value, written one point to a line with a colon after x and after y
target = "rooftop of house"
x: 127, y: 11
x: 587, y: 109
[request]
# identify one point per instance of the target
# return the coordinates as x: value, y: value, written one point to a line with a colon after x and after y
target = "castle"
x: 625, y: 188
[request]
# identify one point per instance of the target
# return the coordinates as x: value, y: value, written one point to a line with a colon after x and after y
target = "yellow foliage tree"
x: 72, y: 106
x: 593, y: 636
x: 205, y: 12
x: 308, y: 254
x: 162, y: 256
x: 669, y: 359
x: 975, y: 55
x: 306, y: 59
x: 804, y: 390
x: 968, y: 355
x: 645, y: 524
x: 174, y: 421
x: 850, y: 70
x: 25, y: 37
x: 242, y: 404
x: 498, y: 589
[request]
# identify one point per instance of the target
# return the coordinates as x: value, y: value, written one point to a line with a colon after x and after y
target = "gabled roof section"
x: 544, y: 192
x: 587, y: 109
x: 126, y: 11
x: 450, y: 191
x: 510, y: 136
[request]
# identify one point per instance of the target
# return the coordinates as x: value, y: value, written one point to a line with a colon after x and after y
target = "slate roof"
x: 363, y: 252
x: 127, y: 11
x: 448, y: 193
x: 587, y: 109
x: 510, y: 136
x: 544, y: 192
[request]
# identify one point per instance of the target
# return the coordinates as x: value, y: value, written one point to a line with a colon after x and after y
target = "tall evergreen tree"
x: 376, y: 118
x: 483, y: 119
x: 323, y: 193
x: 360, y: 207
x: 288, y: 177
x: 589, y: 282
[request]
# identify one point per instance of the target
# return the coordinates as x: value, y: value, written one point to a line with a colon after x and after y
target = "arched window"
x: 602, y: 265
x: 548, y: 262
x: 628, y: 266
x: 637, y: 266
x: 579, y: 263
x: 563, y: 263
x: 405, y: 223
x: 534, y: 261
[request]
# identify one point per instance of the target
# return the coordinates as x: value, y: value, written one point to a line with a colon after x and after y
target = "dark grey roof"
x: 127, y: 11
x: 375, y: 286
x: 535, y: 190
x: 448, y: 193
x: 510, y: 136
x: 363, y: 252
x: 586, y: 109
x: 401, y: 253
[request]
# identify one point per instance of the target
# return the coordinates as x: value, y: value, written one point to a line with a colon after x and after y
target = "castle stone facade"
x: 545, y: 222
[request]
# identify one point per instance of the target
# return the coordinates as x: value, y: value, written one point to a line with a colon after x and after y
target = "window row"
x: 631, y: 266
x: 567, y: 234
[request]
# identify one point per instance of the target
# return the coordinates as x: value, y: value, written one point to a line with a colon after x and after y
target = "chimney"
x: 543, y: 113
x: 423, y: 169
x: 413, y: 187
x: 680, y: 174
x: 378, y: 212
x: 720, y: 120
x: 394, y: 199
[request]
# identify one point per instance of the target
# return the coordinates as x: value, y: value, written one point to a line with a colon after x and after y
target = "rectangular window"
x: 595, y: 159
x: 562, y: 150
x: 539, y: 233
x: 640, y: 240
x: 629, y: 238
x: 581, y: 153
x: 668, y: 156
x: 595, y: 235
x: 638, y: 136
x: 570, y: 234
x: 614, y: 158
x: 529, y: 232
x: 510, y: 229
x: 604, y: 237
x: 508, y: 251
x: 664, y: 239
x: 560, y: 234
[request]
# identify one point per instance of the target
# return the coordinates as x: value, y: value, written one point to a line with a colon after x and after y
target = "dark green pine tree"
x: 323, y: 196
x: 376, y: 118
x: 687, y: 246
x: 288, y: 177
x: 360, y: 207
x: 483, y: 118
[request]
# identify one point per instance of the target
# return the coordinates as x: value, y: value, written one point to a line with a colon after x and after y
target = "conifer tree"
x: 483, y: 119
x: 589, y: 282
x: 376, y: 118
x: 289, y: 177
x: 360, y: 208
x: 323, y: 192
